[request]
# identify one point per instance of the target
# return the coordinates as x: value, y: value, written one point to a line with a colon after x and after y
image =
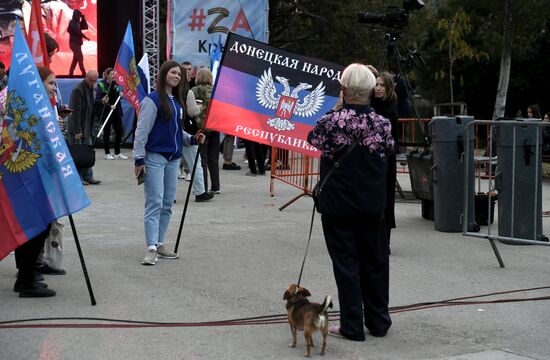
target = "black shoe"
x: 48, y: 270
x: 38, y: 276
x: 18, y: 286
x: 93, y: 181
x: 35, y: 291
x: 204, y: 196
x: 231, y: 166
x: 379, y: 334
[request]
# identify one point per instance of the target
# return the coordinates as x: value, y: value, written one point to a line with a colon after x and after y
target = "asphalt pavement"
x: 238, y: 255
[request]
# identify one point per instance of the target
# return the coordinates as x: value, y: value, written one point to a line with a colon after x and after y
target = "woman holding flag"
x: 27, y: 255
x: 157, y: 151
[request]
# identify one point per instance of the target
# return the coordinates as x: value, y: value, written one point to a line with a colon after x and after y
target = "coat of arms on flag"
x: 287, y: 102
x: 270, y: 95
x: 38, y: 179
x: 19, y: 147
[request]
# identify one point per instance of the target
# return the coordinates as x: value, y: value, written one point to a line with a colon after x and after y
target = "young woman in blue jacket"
x: 157, y: 151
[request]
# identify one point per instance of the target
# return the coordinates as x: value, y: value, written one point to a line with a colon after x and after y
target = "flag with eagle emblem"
x: 126, y: 71
x: 271, y: 96
x: 38, y: 179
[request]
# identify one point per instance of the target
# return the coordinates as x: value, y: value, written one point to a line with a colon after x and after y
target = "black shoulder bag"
x: 319, y: 186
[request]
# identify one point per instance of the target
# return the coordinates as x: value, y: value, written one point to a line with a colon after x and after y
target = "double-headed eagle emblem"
x: 287, y: 103
x: 18, y: 145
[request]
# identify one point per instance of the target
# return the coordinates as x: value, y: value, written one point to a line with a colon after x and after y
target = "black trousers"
x: 27, y: 254
x: 256, y: 156
x: 210, y: 158
x: 116, y: 122
x: 360, y: 259
x: 78, y: 58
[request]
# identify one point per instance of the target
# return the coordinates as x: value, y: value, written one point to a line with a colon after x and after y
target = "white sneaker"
x: 163, y: 252
x: 188, y: 177
x: 121, y: 156
x: 181, y: 174
x: 150, y: 258
x: 109, y: 157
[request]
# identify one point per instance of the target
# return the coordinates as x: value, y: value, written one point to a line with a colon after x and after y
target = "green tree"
x: 454, y: 41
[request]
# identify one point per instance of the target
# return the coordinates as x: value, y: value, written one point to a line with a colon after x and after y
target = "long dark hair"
x: 389, y: 85
x: 535, y: 110
x: 179, y: 92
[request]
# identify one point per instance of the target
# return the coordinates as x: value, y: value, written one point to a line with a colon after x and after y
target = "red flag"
x: 35, y: 37
x: 169, y: 29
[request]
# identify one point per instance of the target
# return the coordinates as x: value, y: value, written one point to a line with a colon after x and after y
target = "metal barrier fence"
x: 412, y: 131
x: 295, y: 169
x: 302, y: 171
x: 514, y: 175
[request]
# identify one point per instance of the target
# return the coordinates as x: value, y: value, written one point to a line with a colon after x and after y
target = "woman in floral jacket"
x: 352, y: 205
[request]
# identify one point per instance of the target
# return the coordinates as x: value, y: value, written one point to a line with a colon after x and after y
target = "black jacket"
x: 357, y: 188
x: 388, y: 109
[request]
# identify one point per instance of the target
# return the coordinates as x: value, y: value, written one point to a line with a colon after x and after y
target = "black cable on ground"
x: 257, y: 320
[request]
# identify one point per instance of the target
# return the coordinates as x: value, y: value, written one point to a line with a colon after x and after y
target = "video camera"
x: 394, y: 18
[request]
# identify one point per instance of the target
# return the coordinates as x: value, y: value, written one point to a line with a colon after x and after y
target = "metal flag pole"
x: 84, y: 270
x: 113, y: 108
x: 187, y: 200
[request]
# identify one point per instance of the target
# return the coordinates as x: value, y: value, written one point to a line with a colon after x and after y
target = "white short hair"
x: 358, y: 81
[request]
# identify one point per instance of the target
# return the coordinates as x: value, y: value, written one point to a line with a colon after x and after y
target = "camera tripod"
x: 403, y: 87
x: 393, y: 59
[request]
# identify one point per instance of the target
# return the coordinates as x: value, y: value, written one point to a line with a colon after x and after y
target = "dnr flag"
x: 271, y: 96
x: 38, y: 179
x: 126, y: 73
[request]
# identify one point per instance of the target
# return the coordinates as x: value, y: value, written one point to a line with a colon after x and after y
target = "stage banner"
x: 195, y: 21
x: 38, y: 178
x: 270, y: 95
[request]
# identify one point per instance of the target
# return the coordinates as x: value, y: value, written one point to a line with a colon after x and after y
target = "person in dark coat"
x: 107, y: 94
x: 76, y: 25
x: 384, y: 102
x: 352, y: 204
x: 80, y: 124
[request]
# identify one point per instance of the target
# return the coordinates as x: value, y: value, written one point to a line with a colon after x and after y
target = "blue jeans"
x: 189, y: 153
x: 160, y: 191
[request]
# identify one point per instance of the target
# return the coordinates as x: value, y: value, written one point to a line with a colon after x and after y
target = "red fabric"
x: 12, y: 235
x: 250, y: 125
x: 35, y: 37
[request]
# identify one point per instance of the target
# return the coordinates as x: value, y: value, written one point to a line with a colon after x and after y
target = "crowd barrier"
x: 302, y: 171
x: 295, y: 169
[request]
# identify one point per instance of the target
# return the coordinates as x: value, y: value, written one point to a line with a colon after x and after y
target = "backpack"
x: 202, y: 92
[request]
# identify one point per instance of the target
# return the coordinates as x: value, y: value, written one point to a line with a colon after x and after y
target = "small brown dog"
x: 306, y: 316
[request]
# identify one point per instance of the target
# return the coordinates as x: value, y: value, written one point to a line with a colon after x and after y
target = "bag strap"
x: 336, y: 165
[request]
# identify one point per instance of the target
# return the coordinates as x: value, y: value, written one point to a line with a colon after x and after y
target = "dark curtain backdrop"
x: 112, y: 19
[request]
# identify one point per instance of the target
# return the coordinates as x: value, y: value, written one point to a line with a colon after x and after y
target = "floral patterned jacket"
x: 338, y: 129
x: 357, y: 188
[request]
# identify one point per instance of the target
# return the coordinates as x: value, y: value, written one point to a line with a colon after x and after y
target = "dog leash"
x: 307, y: 246
x: 334, y: 166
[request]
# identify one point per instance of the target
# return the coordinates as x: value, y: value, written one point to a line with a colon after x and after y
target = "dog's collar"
x: 296, y: 304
